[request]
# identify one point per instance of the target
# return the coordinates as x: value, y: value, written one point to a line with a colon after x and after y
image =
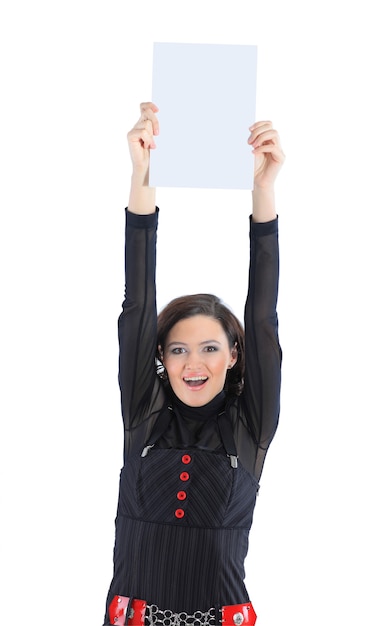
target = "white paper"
x: 206, y: 94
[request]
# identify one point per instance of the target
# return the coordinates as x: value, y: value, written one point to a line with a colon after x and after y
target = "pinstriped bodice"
x: 155, y: 487
x: 182, y: 529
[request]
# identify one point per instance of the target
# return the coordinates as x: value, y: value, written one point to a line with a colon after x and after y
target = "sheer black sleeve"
x: 138, y: 321
x: 263, y: 355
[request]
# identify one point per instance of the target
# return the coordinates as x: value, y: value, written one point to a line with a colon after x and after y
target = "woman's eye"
x: 178, y: 350
x: 211, y: 349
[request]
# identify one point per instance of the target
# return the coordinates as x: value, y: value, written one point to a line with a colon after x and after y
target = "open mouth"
x: 195, y: 381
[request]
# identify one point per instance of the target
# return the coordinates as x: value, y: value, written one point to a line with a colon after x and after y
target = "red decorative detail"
x: 119, y: 608
x: 181, y: 495
x: 186, y: 459
x: 138, y: 617
x: 179, y: 513
x: 237, y: 614
x: 184, y: 476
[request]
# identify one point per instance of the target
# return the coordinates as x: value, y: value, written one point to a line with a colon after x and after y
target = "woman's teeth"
x: 195, y: 381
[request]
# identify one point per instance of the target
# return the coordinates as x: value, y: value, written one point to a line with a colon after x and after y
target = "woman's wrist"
x: 140, y: 176
x: 142, y: 199
x: 264, y: 209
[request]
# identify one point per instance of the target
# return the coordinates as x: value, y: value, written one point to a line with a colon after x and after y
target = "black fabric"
x: 196, y: 560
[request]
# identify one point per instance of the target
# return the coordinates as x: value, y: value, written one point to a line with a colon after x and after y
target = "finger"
x: 258, y: 127
x: 267, y: 136
x: 146, y: 125
x: 149, y: 105
x: 149, y: 118
x: 275, y: 151
x: 260, y: 130
x: 259, y: 124
x: 141, y: 135
x: 148, y: 113
x: 268, y: 147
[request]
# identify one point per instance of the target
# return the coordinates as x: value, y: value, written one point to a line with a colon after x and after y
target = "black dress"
x: 184, y: 510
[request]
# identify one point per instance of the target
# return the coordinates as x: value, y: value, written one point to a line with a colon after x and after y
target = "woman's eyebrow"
x: 202, y: 343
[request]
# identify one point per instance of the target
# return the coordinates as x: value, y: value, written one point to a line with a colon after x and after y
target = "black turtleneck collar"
x: 200, y: 413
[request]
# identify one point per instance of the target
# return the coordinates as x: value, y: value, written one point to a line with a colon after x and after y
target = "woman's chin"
x: 195, y: 396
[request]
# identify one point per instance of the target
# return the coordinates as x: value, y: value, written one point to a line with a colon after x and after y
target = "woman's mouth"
x: 195, y: 382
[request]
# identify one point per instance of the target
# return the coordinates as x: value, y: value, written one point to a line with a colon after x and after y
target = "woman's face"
x: 196, y: 357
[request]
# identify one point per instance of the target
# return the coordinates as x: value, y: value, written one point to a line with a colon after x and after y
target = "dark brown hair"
x: 204, y: 304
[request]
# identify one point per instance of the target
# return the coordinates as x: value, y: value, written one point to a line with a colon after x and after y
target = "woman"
x: 197, y: 431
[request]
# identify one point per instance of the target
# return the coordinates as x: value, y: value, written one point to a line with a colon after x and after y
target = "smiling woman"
x: 197, y: 426
x: 196, y: 358
x: 207, y: 307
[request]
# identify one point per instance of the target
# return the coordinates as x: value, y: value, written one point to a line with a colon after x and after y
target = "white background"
x: 72, y: 76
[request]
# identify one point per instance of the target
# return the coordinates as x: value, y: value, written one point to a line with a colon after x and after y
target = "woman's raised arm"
x: 137, y: 322
x: 262, y: 352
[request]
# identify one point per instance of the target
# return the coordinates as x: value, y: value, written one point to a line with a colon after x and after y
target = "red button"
x: 179, y: 513
x: 186, y: 459
x: 184, y: 476
x: 181, y: 495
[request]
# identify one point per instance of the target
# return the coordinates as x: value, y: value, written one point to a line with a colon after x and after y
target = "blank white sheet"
x: 206, y: 94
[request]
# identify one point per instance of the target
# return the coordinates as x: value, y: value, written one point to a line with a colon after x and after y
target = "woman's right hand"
x: 141, y: 138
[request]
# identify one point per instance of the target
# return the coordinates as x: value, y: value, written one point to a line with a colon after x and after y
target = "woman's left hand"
x: 269, y: 156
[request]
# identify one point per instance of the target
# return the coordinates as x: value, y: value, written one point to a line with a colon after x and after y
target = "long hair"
x: 211, y: 306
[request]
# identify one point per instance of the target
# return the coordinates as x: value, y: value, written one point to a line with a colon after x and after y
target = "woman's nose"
x: 193, y: 361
